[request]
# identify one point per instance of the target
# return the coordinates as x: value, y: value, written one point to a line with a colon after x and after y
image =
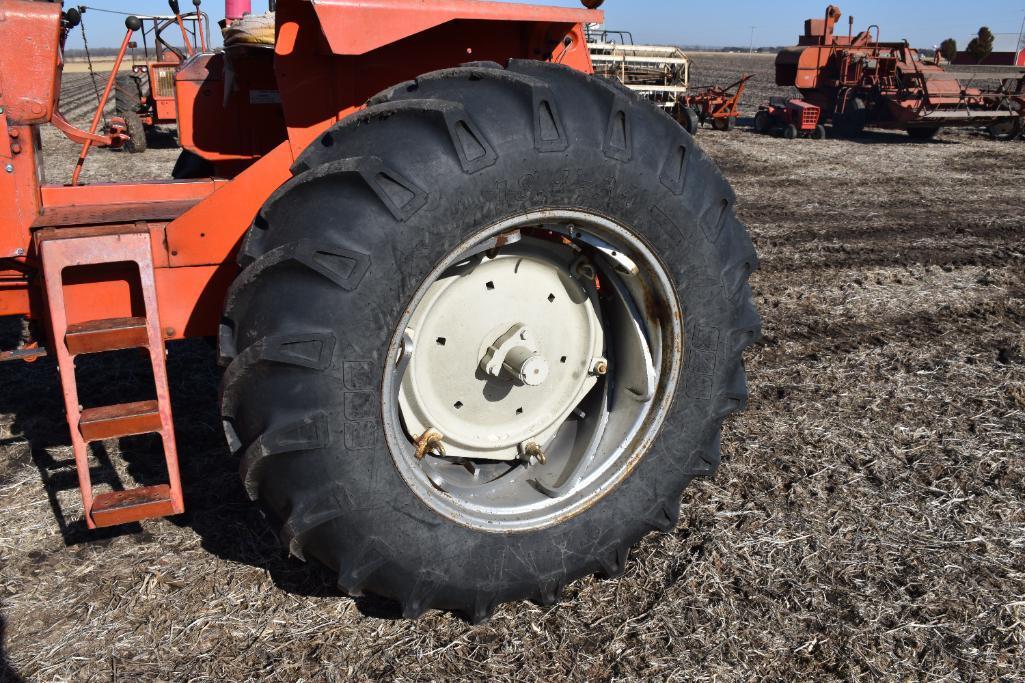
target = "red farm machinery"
x: 858, y: 81
x: 145, y: 97
x: 791, y: 119
x: 715, y: 105
x: 481, y: 313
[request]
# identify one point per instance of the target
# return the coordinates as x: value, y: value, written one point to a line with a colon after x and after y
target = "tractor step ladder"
x: 69, y: 247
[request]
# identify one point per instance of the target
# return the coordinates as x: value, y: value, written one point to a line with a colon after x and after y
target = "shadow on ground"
x: 229, y: 524
x: 7, y: 672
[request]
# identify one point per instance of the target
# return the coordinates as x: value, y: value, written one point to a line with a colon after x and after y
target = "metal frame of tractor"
x: 113, y: 266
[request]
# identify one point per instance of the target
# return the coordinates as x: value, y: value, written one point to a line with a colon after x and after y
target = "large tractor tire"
x: 851, y: 123
x: 127, y: 98
x: 485, y: 336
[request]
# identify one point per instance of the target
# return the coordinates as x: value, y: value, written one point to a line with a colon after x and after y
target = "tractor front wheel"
x: 820, y: 132
x: 763, y: 122
x: 723, y: 124
x: 790, y: 132
x: 485, y: 336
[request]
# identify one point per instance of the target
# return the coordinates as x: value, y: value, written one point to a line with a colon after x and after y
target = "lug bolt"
x: 9, y: 168
x: 585, y: 270
x: 599, y: 367
x: 532, y: 450
x: 429, y: 442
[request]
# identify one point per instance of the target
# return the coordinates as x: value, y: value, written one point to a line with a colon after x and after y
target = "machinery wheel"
x: 762, y: 122
x: 790, y: 132
x: 820, y: 132
x: 852, y: 122
x: 724, y: 124
x: 126, y: 105
x: 924, y: 133
x: 1010, y: 129
x: 690, y: 120
x: 429, y: 389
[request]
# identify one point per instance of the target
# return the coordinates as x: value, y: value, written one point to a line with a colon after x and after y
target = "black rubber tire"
x: 724, y: 125
x: 820, y: 132
x: 126, y: 105
x: 851, y: 124
x: 690, y: 120
x: 763, y: 122
x: 335, y: 256
x: 924, y: 133
x: 1006, y: 131
x: 790, y: 132
x: 191, y: 166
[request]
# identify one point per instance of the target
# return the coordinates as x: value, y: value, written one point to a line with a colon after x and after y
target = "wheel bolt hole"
x: 490, y: 285
x: 519, y: 411
x: 563, y: 359
x: 441, y: 341
x: 458, y: 405
x: 551, y: 298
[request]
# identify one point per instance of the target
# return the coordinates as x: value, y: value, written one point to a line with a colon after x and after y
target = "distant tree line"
x: 95, y: 52
x: 744, y: 48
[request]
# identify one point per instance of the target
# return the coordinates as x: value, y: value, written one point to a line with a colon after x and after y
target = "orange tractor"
x: 146, y: 97
x: 482, y: 313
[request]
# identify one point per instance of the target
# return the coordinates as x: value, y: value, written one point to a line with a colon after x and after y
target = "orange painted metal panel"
x: 29, y: 59
x: 355, y: 27
x: 209, y: 233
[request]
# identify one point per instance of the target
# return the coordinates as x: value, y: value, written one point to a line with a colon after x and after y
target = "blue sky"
x: 704, y: 22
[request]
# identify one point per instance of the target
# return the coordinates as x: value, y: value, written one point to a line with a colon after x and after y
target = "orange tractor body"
x: 118, y: 265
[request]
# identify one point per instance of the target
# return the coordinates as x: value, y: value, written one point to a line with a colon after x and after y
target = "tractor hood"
x: 355, y: 27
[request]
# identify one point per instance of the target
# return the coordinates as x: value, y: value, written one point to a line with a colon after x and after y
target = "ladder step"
x: 112, y: 334
x: 126, y: 419
x: 133, y: 505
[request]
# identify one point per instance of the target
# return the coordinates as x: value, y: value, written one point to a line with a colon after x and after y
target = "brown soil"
x: 868, y: 520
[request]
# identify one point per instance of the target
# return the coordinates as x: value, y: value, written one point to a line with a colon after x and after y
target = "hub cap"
x: 533, y: 370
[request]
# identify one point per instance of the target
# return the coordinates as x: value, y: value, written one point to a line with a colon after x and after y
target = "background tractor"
x: 858, y: 81
x: 791, y: 118
x: 146, y: 97
x: 481, y: 313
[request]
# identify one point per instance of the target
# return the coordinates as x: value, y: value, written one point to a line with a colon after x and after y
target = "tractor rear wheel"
x: 127, y: 98
x: 485, y: 336
x: 690, y: 120
x: 851, y: 123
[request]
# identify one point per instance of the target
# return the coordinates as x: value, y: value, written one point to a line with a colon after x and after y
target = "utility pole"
x: 751, y: 45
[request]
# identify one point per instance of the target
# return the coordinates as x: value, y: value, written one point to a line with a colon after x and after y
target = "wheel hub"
x: 504, y: 348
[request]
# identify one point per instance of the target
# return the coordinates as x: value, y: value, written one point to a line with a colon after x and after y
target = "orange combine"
x: 482, y: 313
